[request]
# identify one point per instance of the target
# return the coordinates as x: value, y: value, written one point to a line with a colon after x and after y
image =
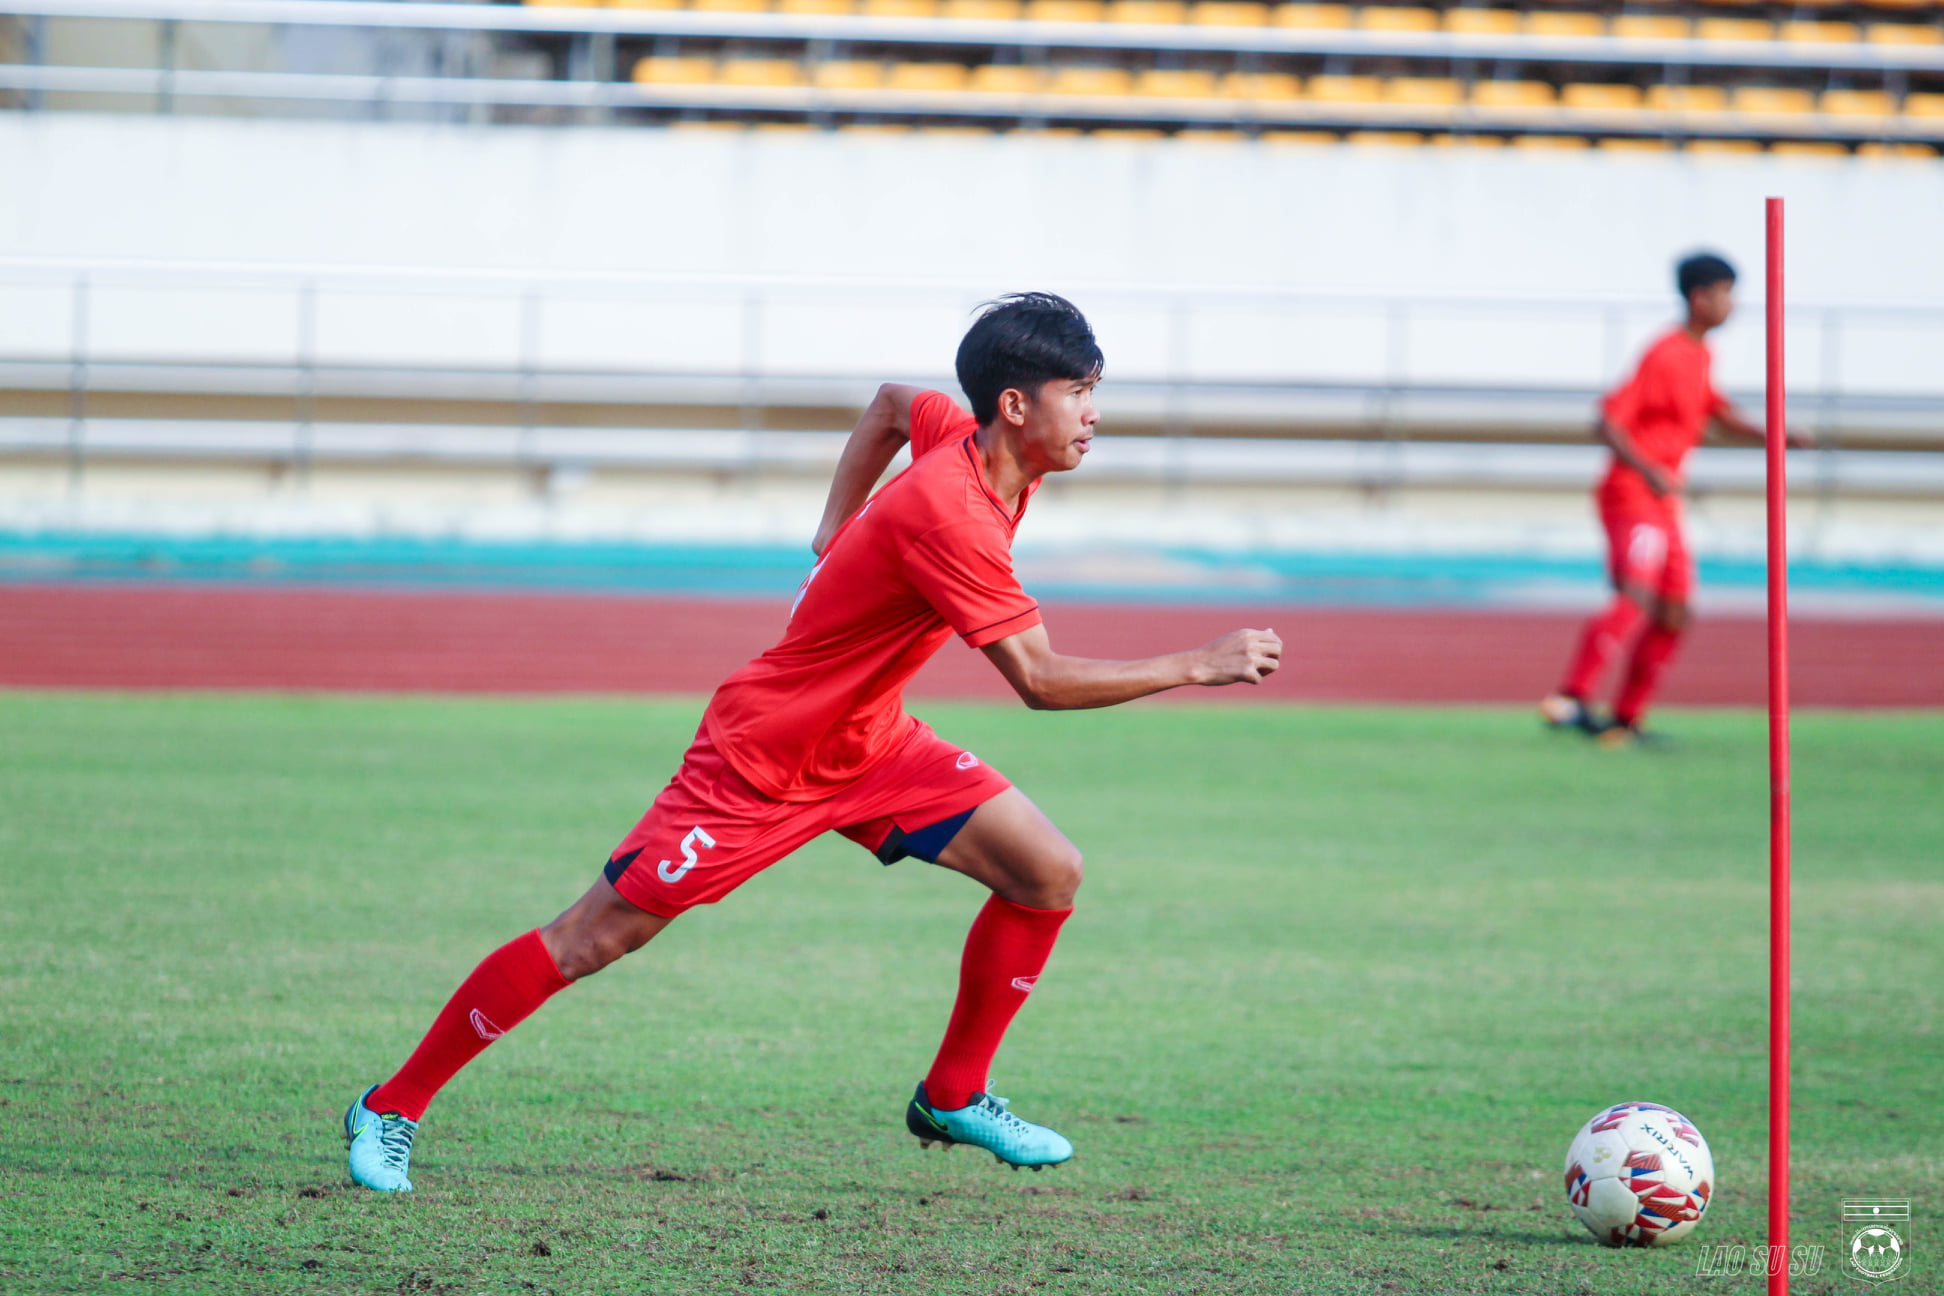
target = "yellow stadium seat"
x: 1924, y: 105
x: 1902, y: 4
x: 1771, y: 99
x: 1397, y: 18
x: 1147, y: 11
x: 1066, y: 10
x: 1903, y: 34
x: 562, y: 4
x: 1832, y: 33
x: 899, y: 8
x: 1606, y: 98
x: 928, y: 76
x: 1319, y: 16
x: 1210, y: 135
x: 1651, y: 27
x: 1469, y: 139
x: 1176, y: 83
x: 1880, y: 150
x: 1229, y: 13
x: 645, y: 4
x: 1346, y: 89
x: 1090, y: 81
x: 675, y: 71
x: 1723, y: 146
x: 1512, y: 94
x: 1389, y: 139
x: 1809, y: 148
x: 814, y: 6
x: 1127, y: 133
x: 1565, y: 24
x: 1635, y: 145
x: 848, y: 74
x: 1263, y: 85
x: 1423, y: 91
x: 1729, y: 29
x: 760, y: 72
x: 1007, y: 78
x: 1687, y: 98
x: 1302, y: 137
x: 982, y: 10
x: 1551, y: 142
x: 1857, y: 103
x: 731, y: 6
x: 1481, y: 22
x: 875, y: 128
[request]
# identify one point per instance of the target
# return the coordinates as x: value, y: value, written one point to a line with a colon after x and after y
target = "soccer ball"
x: 1639, y: 1174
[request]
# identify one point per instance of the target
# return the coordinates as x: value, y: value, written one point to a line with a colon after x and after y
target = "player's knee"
x: 1671, y: 614
x: 582, y: 949
x: 1060, y: 876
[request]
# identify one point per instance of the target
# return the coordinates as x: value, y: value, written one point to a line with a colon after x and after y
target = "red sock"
x: 1600, y: 639
x: 1650, y: 658
x: 1004, y: 952
x: 501, y: 993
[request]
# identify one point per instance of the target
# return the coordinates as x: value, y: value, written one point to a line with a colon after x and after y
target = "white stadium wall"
x: 972, y: 215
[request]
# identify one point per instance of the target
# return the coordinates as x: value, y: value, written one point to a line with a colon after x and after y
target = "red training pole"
x: 1778, y: 694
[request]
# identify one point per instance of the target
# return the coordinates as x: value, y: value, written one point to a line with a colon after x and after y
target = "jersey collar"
x: 998, y: 505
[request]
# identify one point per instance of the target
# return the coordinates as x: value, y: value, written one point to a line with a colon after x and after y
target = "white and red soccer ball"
x: 1639, y: 1174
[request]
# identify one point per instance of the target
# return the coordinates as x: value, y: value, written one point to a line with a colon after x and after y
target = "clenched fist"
x: 1240, y: 656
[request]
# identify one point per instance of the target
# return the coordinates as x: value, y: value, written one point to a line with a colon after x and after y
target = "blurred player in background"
x: 812, y: 736
x: 1651, y: 423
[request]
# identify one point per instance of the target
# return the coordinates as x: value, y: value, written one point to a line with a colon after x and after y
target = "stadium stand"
x: 1858, y: 76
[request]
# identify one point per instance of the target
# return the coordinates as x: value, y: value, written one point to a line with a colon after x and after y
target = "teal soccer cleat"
x: 985, y: 1123
x: 381, y: 1145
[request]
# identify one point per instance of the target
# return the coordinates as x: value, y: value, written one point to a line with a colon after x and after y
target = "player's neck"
x: 1697, y: 329
x: 1006, y: 472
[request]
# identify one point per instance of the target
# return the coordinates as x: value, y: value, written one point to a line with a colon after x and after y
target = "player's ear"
x: 1012, y: 406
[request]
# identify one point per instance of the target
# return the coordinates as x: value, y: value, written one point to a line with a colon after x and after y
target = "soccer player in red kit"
x: 1651, y: 423
x: 813, y: 736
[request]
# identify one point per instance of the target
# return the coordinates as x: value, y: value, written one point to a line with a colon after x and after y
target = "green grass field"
x: 1342, y: 985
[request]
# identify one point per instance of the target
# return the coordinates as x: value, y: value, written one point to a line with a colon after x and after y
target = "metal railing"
x: 1006, y: 34
x: 1276, y: 361
x: 590, y: 82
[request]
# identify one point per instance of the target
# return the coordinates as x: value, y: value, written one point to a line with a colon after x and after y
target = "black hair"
x: 1702, y: 270
x: 1024, y: 340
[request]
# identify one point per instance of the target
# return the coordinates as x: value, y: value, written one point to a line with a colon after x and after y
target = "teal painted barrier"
x: 755, y: 571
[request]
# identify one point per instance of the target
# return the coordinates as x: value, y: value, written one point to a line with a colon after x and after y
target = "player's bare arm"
x: 1049, y: 681
x: 1735, y: 424
x: 1616, y: 439
x: 881, y: 432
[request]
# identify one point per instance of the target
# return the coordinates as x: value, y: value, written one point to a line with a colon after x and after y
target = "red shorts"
x: 1648, y: 547
x: 710, y: 831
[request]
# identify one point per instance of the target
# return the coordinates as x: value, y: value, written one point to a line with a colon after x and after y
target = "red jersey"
x: 1665, y: 407
x: 930, y: 555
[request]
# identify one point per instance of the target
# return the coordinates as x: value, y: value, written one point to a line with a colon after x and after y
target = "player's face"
x: 1059, y: 425
x: 1711, y: 306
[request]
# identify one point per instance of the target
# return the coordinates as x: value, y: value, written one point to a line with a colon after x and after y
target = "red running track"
x: 171, y: 637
